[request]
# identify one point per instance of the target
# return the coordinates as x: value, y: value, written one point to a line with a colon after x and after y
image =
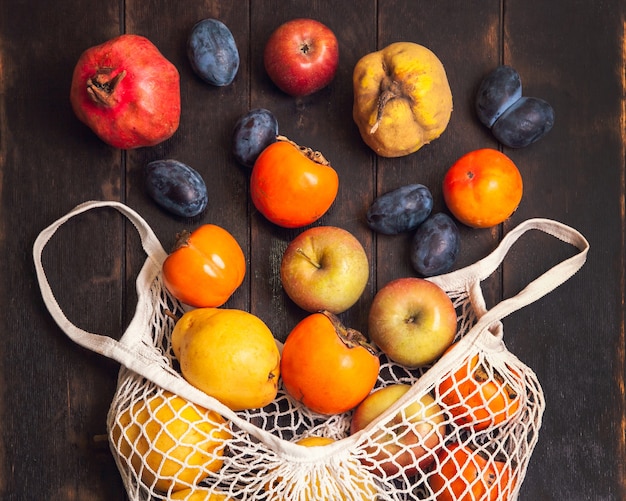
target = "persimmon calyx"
x: 352, y: 338
x: 315, y: 156
x: 182, y: 240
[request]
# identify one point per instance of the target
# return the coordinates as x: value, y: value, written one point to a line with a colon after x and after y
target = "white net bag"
x: 462, y: 428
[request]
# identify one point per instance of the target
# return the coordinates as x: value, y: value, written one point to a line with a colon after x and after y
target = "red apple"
x: 413, y: 321
x: 301, y: 56
x: 409, y: 439
x: 324, y: 268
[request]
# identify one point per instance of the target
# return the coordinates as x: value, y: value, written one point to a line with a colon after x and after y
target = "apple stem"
x: 305, y: 256
x: 311, y: 154
x: 101, y: 87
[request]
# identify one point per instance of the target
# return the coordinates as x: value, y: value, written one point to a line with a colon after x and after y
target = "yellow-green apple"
x: 301, y: 56
x: 324, y: 268
x: 408, y: 440
x: 412, y: 321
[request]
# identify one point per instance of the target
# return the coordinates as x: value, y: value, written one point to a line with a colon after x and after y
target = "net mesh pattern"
x: 466, y: 427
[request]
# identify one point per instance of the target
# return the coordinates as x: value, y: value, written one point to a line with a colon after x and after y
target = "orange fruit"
x: 326, y: 366
x: 483, y: 188
x: 205, y: 268
x: 292, y: 186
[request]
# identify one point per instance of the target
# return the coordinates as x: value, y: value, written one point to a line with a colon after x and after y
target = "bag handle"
x: 105, y: 345
x: 469, y: 278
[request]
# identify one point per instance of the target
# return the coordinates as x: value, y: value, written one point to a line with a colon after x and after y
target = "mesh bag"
x: 465, y: 427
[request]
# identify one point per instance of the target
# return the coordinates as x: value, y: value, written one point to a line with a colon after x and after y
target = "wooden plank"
x: 466, y: 58
x: 55, y: 395
x: 203, y: 138
x: 322, y: 122
x: 574, y: 338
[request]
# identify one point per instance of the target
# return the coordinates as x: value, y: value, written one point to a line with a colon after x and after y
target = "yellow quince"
x: 402, y: 98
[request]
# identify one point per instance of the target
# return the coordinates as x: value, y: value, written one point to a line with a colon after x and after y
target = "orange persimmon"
x: 479, y: 396
x: 327, y: 367
x: 465, y: 474
x: 483, y: 188
x: 205, y: 267
x: 292, y: 186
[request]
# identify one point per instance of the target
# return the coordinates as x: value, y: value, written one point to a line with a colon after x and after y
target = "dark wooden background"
x: 54, y: 395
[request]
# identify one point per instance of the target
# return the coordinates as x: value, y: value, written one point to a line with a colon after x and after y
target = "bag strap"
x: 469, y: 278
x: 105, y: 345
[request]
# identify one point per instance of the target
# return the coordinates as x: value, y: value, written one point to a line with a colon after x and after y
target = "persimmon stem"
x: 352, y: 338
x: 311, y: 154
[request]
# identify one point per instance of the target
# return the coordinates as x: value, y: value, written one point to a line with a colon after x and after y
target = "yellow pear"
x: 402, y: 98
x: 229, y: 354
x: 169, y: 441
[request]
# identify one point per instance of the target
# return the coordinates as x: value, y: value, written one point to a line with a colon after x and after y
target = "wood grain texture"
x: 54, y: 395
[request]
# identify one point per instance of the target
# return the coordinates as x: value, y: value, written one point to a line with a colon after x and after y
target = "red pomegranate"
x: 127, y: 92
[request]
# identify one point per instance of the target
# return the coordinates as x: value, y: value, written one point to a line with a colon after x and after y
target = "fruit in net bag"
x: 229, y: 354
x: 326, y: 366
x: 478, y: 396
x: 198, y: 494
x: 169, y: 441
x: 465, y: 474
x: 353, y: 483
x: 408, y: 439
x: 413, y: 321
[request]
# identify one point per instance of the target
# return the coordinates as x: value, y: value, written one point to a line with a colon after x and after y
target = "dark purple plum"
x: 252, y: 133
x: 212, y: 52
x: 527, y: 121
x: 435, y: 245
x: 497, y: 92
x: 176, y: 187
x: 400, y: 210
